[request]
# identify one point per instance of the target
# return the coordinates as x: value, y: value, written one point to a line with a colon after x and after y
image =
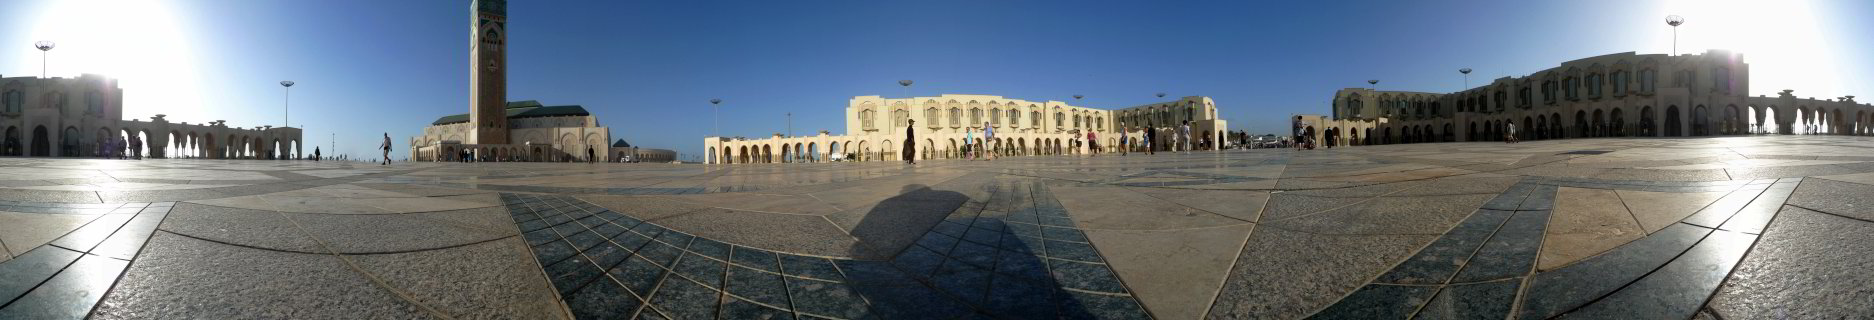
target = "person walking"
x: 1510, y: 133
x: 386, y: 148
x: 1123, y: 143
x: 910, y: 141
x: 315, y: 154
x: 1093, y: 146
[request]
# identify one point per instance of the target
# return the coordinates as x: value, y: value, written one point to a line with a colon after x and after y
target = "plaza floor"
x: 1736, y: 227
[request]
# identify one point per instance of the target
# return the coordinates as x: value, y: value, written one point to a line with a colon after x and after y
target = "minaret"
x: 488, y: 75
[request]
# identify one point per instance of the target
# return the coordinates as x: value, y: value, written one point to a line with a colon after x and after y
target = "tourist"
x: 969, y: 141
x: 1510, y: 133
x: 589, y: 155
x: 315, y: 154
x: 1122, y: 142
x: 989, y: 134
x: 1184, y: 136
x: 910, y: 141
x: 1093, y: 146
x: 386, y: 148
x: 1151, y: 140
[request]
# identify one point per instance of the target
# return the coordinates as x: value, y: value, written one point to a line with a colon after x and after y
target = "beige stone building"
x: 944, y: 125
x: 79, y: 117
x: 1622, y: 94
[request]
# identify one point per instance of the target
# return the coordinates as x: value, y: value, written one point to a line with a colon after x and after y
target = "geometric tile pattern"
x: 1484, y: 267
x: 64, y: 278
x: 1024, y: 259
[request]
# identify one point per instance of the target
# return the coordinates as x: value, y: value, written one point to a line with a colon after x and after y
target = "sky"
x: 364, y: 68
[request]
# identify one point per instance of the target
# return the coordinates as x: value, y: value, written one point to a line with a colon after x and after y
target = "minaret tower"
x: 488, y: 75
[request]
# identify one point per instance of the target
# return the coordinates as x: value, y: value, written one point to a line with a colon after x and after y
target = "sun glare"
x: 140, y: 43
x: 1783, y: 41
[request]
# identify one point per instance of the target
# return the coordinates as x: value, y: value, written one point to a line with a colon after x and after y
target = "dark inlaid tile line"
x: 42, y: 282
x: 1076, y: 226
x: 1442, y: 283
x: 1675, y: 257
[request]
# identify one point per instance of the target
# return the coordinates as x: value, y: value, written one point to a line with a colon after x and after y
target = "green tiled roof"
x: 523, y: 109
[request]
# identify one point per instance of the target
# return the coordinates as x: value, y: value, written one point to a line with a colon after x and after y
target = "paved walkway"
x: 1745, y: 227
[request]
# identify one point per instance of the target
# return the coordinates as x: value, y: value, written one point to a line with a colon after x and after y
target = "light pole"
x: 44, y: 46
x: 1675, y: 21
x: 1467, y: 78
x: 1373, y: 85
x: 790, y: 124
x: 288, y: 113
x: 716, y: 104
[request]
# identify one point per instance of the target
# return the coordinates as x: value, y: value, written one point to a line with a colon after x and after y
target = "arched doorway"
x: 42, y: 142
x: 69, y: 142
x: 1673, y: 122
x: 11, y: 146
x: 1701, y: 121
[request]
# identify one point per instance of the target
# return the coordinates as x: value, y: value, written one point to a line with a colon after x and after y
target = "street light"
x: 716, y: 104
x: 908, y: 104
x: 44, y: 46
x: 1675, y: 21
x: 1161, y: 94
x: 1467, y: 78
x: 1374, y: 85
x: 289, y: 104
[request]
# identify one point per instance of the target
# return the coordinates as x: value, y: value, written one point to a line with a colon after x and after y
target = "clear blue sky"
x: 648, y: 68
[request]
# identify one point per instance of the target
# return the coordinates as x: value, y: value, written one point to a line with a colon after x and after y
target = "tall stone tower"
x: 488, y: 75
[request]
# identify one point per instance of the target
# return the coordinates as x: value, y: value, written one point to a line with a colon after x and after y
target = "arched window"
x: 865, y: 119
x: 1015, y: 117
x: 1649, y: 80
x: 956, y: 117
x: 901, y: 118
x: 1621, y: 79
x: 1034, y: 118
x: 995, y: 116
x: 13, y: 99
x: 930, y: 115
x: 976, y: 116
x: 1059, y: 118
x: 1721, y: 79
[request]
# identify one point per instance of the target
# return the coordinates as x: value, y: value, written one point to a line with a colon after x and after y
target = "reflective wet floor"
x: 1735, y: 227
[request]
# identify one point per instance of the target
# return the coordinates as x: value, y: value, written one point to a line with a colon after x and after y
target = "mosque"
x: 496, y: 129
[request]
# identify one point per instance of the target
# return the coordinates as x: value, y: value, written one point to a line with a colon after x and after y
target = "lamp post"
x: 908, y: 104
x: 288, y: 113
x: 44, y: 47
x: 1373, y: 85
x: 1467, y: 78
x: 717, y: 105
x: 1675, y: 21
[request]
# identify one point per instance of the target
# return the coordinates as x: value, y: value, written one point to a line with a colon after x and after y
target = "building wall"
x: 531, y: 139
x: 1623, y: 94
x: 945, y: 124
x: 91, y: 105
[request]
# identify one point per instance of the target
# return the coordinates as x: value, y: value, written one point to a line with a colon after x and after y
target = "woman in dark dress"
x: 910, y: 141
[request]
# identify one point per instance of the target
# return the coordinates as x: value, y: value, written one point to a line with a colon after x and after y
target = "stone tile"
x: 682, y: 299
x: 179, y: 277
x: 910, y: 302
x: 22, y: 232
x: 1286, y: 274
x: 244, y: 227
x: 1799, y: 270
x: 29, y: 269
x: 1120, y: 208
x: 758, y: 286
x: 1081, y: 305
x: 1681, y: 287
x: 703, y: 270
x: 1174, y: 273
x: 387, y: 233
x: 639, y: 275
x: 1389, y: 215
x: 1021, y: 298
x: 810, y: 267
x: 1552, y: 292
x: 1832, y: 196
x: 1718, y: 211
x: 1511, y: 252
x: 1585, y: 223
x: 1379, y: 301
x: 826, y: 299
x: 786, y: 232
x: 1755, y: 216
x: 1436, y: 263
x: 484, y: 280
x: 71, y: 294
x: 1487, y: 300
x: 738, y: 308
x: 1656, y: 210
x: 89, y: 236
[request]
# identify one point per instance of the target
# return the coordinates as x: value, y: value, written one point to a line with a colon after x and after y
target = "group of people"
x: 974, y: 149
x: 122, y: 148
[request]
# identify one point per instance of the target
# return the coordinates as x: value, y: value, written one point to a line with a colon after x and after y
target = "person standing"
x: 969, y: 144
x: 386, y: 148
x: 989, y: 134
x: 1093, y: 146
x: 910, y: 141
x: 315, y: 154
x: 1151, y: 141
x: 589, y: 155
x: 1184, y: 136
